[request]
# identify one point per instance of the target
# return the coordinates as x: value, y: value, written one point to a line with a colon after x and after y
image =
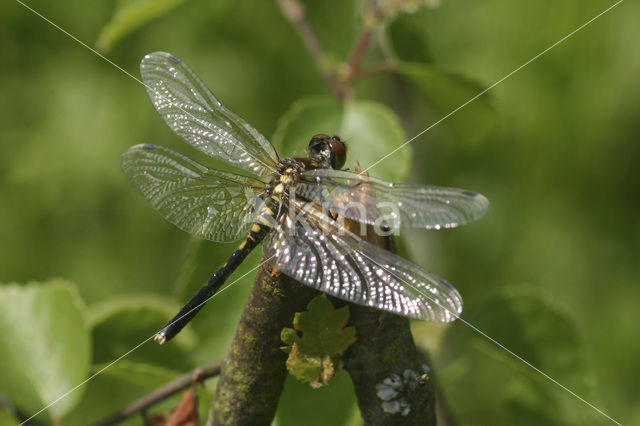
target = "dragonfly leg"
x: 272, y: 271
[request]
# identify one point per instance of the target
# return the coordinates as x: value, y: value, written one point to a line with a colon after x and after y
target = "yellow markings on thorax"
x: 268, y: 211
x: 263, y: 220
x: 279, y: 189
x: 285, y: 178
x: 276, y: 198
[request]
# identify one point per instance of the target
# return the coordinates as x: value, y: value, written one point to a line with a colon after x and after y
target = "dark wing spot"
x: 174, y: 59
x: 149, y: 146
x: 470, y: 193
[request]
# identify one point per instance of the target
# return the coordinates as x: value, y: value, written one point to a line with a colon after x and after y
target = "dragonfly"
x: 293, y: 206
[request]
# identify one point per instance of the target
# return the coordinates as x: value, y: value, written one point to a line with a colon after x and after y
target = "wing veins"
x: 176, y: 88
x: 375, y: 277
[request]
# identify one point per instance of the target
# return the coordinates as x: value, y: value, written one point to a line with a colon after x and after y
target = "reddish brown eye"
x: 339, y: 151
x: 338, y: 147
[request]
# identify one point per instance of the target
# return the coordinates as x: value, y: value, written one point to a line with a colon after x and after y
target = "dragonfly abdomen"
x: 262, y: 226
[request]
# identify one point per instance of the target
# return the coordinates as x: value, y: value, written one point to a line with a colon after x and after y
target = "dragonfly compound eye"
x: 319, y: 137
x: 339, y: 149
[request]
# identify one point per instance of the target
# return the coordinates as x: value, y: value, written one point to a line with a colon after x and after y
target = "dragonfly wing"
x: 207, y: 203
x: 193, y: 113
x: 371, y: 200
x: 321, y: 254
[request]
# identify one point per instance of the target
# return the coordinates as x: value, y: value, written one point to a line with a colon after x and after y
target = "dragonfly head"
x: 328, y: 150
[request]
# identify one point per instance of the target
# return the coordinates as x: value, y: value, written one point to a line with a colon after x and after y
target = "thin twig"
x: 374, y: 69
x: 371, y: 18
x: 294, y: 12
x: 184, y: 381
x: 360, y: 49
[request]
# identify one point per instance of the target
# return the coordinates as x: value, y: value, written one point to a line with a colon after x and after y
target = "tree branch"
x: 385, y: 348
x: 374, y: 69
x: 254, y: 370
x: 176, y: 385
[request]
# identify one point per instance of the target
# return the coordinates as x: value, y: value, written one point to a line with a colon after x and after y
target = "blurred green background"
x: 551, y: 272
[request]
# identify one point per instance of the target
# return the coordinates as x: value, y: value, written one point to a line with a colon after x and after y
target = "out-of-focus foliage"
x: 446, y: 93
x: 8, y: 419
x: 45, y: 349
x: 549, y: 337
x: 130, y: 15
x: 550, y: 273
x: 407, y: 39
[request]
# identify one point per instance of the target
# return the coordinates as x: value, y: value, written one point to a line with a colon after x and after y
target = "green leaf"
x: 370, y: 129
x: 450, y: 96
x: 531, y: 325
x: 322, y: 337
x: 315, y: 370
x: 288, y: 336
x: 119, y: 325
x: 45, y: 348
x: 373, y: 132
x: 407, y: 38
x: 305, y: 118
x: 129, y: 16
x: 322, y: 328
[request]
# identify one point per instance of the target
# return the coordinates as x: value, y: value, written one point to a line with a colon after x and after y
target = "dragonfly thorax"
x: 287, y: 176
x: 325, y: 152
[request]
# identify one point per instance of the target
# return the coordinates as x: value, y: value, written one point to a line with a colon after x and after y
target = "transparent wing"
x: 193, y: 113
x: 371, y: 200
x: 323, y: 255
x: 207, y: 203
